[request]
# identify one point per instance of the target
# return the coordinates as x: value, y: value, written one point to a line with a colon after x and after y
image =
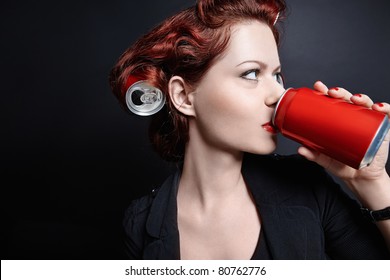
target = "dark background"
x: 72, y: 159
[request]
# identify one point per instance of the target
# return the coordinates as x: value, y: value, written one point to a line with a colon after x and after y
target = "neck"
x: 210, y: 174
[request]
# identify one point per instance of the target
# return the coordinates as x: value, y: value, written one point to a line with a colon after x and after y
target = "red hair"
x: 186, y: 45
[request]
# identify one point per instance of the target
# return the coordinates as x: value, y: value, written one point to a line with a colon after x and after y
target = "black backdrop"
x: 72, y: 159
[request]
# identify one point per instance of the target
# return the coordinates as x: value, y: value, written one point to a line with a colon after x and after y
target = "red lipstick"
x: 270, y: 128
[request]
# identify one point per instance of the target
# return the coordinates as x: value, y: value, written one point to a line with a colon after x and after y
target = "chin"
x: 264, y: 149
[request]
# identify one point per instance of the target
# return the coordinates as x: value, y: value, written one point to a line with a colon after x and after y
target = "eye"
x: 279, y: 78
x: 251, y: 75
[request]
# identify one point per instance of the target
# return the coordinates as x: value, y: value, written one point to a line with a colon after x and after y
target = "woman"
x: 215, y: 77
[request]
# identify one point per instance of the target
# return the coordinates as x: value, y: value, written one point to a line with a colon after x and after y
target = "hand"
x: 377, y: 168
x: 371, y: 184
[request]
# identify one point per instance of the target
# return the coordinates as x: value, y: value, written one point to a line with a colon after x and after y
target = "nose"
x: 275, y: 92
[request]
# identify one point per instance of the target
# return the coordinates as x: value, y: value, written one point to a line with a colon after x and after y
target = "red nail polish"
x: 358, y: 95
x: 380, y: 104
x: 334, y: 88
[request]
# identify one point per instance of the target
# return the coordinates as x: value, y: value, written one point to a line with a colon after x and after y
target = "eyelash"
x: 246, y: 73
x: 278, y: 76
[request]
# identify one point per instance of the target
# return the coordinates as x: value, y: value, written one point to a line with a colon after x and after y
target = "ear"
x: 181, y: 96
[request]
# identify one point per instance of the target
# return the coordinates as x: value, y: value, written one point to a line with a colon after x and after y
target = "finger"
x: 337, y: 92
x: 362, y: 100
x: 312, y: 155
x: 307, y: 153
x: 321, y: 87
x: 382, y: 107
x: 319, y: 158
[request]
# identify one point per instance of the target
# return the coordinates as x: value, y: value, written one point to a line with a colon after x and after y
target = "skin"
x: 228, y: 112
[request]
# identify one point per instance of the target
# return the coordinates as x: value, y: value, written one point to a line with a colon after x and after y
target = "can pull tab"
x: 143, y: 99
x: 139, y: 97
x: 149, y: 97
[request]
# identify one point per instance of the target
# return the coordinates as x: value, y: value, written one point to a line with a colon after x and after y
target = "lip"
x: 270, y: 128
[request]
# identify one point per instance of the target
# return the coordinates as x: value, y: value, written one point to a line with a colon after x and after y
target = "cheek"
x: 214, y: 113
x: 219, y: 108
x: 227, y: 100
x: 224, y: 103
x: 224, y: 114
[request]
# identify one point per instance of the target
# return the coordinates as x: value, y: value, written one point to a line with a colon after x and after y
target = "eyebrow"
x: 262, y: 64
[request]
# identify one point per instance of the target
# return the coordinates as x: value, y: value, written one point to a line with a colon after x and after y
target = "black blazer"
x: 305, y: 215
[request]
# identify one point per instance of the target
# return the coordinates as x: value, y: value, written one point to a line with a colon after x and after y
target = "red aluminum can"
x: 346, y: 132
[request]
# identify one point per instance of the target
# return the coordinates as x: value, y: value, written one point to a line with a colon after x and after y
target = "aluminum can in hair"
x: 346, y: 132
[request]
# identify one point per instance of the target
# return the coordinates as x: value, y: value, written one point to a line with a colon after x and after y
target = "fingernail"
x: 334, y: 88
x: 380, y: 104
x: 358, y: 95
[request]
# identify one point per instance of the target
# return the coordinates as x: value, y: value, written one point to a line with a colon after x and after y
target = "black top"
x: 262, y: 251
x: 304, y: 215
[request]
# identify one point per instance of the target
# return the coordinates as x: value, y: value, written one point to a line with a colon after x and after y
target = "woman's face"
x: 235, y: 100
